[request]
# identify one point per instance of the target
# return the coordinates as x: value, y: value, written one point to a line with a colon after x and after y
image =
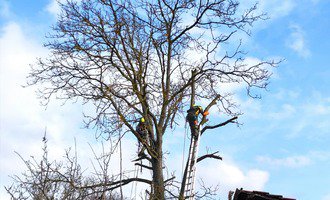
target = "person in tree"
x: 141, y: 128
x: 192, y: 118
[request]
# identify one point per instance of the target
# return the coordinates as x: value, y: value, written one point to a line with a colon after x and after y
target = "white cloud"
x: 277, y: 9
x: 286, y: 111
x: 291, y: 161
x: 274, y: 8
x: 16, y: 53
x: 319, y: 156
x: 252, y: 108
x: 296, y: 116
x: 53, y: 8
x: 297, y: 42
x: 255, y: 109
x: 314, y: 114
x: 326, y: 197
x: 227, y: 174
x: 21, y: 129
x: 283, y: 94
x: 18, y: 106
x: 230, y: 176
x: 296, y: 161
x: 318, y: 109
x: 22, y: 118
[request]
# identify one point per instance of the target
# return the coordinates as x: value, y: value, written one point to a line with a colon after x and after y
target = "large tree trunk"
x: 158, y: 190
x: 158, y: 180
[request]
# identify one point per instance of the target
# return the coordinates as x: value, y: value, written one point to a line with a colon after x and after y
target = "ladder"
x: 191, y: 174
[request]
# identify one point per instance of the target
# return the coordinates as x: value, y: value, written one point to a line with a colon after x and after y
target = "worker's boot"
x: 195, y: 133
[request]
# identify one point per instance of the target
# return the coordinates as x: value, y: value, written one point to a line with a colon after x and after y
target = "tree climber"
x: 141, y: 128
x: 192, y: 118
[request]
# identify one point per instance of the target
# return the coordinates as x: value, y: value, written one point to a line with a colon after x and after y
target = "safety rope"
x: 121, y: 165
x: 136, y: 171
x: 184, y: 148
x: 137, y: 174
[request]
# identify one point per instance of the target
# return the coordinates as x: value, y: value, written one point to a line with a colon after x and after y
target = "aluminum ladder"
x: 191, y: 174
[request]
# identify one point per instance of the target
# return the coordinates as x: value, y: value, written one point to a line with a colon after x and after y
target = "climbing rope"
x: 184, y: 147
x: 136, y: 171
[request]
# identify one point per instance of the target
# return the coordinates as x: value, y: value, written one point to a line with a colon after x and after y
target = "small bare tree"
x: 47, y: 179
x: 133, y: 58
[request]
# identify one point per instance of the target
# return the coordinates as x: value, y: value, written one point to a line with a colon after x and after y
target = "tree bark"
x: 158, y: 180
x: 158, y: 187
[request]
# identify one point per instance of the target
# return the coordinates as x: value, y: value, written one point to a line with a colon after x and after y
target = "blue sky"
x: 283, y: 146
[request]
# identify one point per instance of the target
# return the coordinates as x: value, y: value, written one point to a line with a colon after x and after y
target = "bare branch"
x: 145, y: 166
x: 219, y: 125
x: 115, y: 184
x: 212, y: 155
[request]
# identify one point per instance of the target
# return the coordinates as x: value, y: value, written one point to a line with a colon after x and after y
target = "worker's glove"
x: 206, y: 113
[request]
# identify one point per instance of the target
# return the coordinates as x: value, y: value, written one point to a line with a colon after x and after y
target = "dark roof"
x: 257, y: 195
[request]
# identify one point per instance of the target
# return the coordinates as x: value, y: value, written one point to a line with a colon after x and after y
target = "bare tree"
x: 133, y: 58
x: 47, y: 179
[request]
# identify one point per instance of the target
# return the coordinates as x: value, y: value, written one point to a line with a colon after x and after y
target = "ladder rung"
x: 190, y: 180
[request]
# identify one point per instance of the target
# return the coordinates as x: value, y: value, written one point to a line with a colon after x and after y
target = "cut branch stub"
x: 213, y: 102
